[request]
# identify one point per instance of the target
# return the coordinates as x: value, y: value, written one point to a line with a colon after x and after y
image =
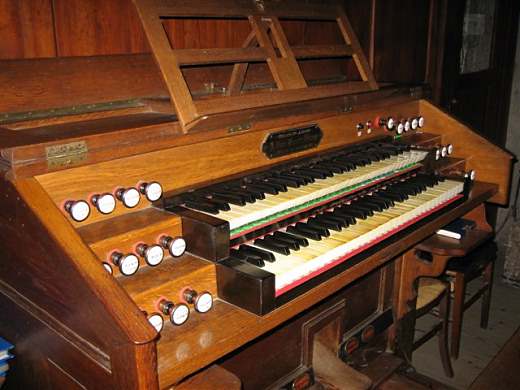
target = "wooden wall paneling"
x: 98, y: 27
x: 26, y: 29
x: 401, y: 40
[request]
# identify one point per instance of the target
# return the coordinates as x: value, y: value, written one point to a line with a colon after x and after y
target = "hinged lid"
x: 268, y: 67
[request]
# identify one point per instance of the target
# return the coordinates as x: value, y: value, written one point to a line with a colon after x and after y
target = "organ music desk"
x: 208, y: 214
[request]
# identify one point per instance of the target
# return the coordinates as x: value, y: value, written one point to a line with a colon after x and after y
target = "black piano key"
x: 278, y: 186
x: 323, y: 222
x: 301, y: 181
x: 344, y: 221
x: 309, y: 172
x: 345, y: 163
x: 248, y: 250
x: 304, y: 179
x: 291, y: 244
x: 273, y: 246
x: 251, y: 196
x: 348, y: 211
x: 265, y: 188
x: 372, y: 205
x: 202, y: 206
x: 336, y: 168
x: 324, y: 232
x: 284, y: 181
x: 307, y: 233
x: 229, y: 198
x: 366, y: 210
x: 399, y: 196
x: 300, y: 240
x: 323, y: 170
x: 386, y: 202
x: 351, y: 220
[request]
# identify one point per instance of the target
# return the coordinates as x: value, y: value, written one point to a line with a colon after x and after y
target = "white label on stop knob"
x: 400, y: 128
x: 415, y: 123
x: 106, y: 203
x: 108, y: 268
x: 472, y: 174
x: 79, y: 211
x: 450, y: 149
x: 153, y: 191
x: 177, y: 246
x: 390, y: 123
x: 407, y: 126
x: 420, y: 122
x: 154, y: 255
x: 180, y: 314
x: 129, y: 265
x: 444, y: 151
x: 156, y: 321
x: 204, y: 302
x: 130, y: 197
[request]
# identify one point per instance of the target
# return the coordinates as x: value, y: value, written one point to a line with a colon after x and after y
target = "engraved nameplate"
x: 291, y: 141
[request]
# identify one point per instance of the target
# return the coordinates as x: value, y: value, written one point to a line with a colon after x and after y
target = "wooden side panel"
x: 491, y: 163
x: 26, y: 29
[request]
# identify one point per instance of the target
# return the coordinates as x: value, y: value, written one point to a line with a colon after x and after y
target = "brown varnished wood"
x: 150, y: 284
x: 186, y: 340
x: 73, y: 81
x: 214, y: 378
x: 124, y: 233
x: 27, y: 30
x: 97, y: 27
x: 220, y: 158
x: 491, y: 163
x: 64, y: 237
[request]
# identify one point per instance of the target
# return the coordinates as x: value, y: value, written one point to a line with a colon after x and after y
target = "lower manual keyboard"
x: 304, y: 250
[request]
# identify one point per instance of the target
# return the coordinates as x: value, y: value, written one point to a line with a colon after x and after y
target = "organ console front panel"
x: 218, y: 243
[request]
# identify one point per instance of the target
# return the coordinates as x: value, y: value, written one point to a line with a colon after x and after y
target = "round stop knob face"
x: 108, y: 268
x: 177, y: 246
x: 130, y: 197
x: 153, y: 191
x: 79, y: 210
x: 400, y: 128
x: 129, y: 264
x: 472, y: 174
x: 156, y: 321
x: 420, y: 121
x: 204, y: 302
x: 444, y: 151
x: 415, y: 123
x: 450, y: 149
x: 179, y: 314
x: 154, y: 255
x: 437, y: 154
x: 407, y: 126
x: 390, y: 124
x: 106, y: 203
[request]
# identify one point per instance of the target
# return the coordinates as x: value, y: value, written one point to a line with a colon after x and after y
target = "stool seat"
x: 474, y: 261
x: 428, y: 291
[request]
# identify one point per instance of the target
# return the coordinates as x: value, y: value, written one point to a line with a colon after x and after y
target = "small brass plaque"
x: 66, y: 154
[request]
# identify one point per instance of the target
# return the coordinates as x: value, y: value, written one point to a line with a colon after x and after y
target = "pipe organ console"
x: 222, y: 241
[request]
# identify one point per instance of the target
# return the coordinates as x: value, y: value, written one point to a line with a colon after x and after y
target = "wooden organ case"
x: 188, y: 219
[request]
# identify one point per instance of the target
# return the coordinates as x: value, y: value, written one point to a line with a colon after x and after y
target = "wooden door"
x: 478, y: 61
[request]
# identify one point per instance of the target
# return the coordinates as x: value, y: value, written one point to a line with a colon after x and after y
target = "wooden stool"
x: 462, y: 270
x: 431, y: 293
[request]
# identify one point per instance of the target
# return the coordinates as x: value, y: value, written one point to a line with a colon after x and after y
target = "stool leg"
x: 457, y: 313
x: 486, y: 296
x: 444, y: 313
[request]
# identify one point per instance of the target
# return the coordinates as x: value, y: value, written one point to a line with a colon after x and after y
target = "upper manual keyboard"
x: 264, y: 198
